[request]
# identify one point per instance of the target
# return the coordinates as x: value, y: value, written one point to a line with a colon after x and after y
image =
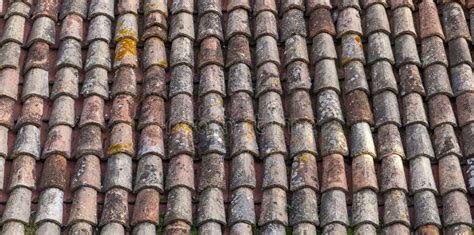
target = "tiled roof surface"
x: 236, y: 116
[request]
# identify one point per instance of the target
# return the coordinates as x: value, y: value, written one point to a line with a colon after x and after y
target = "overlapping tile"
x: 420, y: 152
x: 270, y: 120
x: 333, y: 145
x: 27, y: 144
x: 441, y: 117
x: 186, y: 144
x: 243, y: 140
x: 304, y: 176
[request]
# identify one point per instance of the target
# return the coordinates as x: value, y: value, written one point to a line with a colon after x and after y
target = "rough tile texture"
x: 236, y: 116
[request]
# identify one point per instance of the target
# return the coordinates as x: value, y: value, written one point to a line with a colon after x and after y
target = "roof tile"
x: 429, y: 20
x: 386, y: 110
x: 146, y: 207
x: 364, y: 209
x: 268, y: 80
x: 211, y: 207
x: 332, y: 139
x: 115, y: 207
x: 323, y: 48
x: 321, y: 17
x: 461, y: 79
x: 88, y: 173
x: 422, y: 180
x: 18, y: 8
x: 410, y: 80
x: 451, y: 178
x: 6, y: 114
x: 378, y: 43
x: 245, y: 212
x: 58, y: 141
x: 270, y: 110
x: 452, y: 210
x: 243, y: 177
x: 210, y: 26
x: 210, y: 53
x: 333, y: 209
x: 436, y: 81
x: 151, y: 6
x: 363, y: 173
x: 96, y: 83
x: 27, y: 142
x: 238, y: 23
x: 42, y: 30
x: 312, y: 5
x: 377, y: 20
x: 18, y: 207
x: 50, y: 208
x: 393, y: 174
x: 155, y: 83
x: 445, y: 141
x: 266, y: 51
x: 425, y: 201
x: 149, y: 173
x: 305, y: 205
x: 292, y: 23
x: 454, y: 22
x: 432, y: 52
x: 128, y: 6
x: 180, y: 207
x: 92, y: 112
x: 295, y: 50
x: 459, y: 52
x: 151, y: 141
x: 119, y: 172
x: 99, y: 7
x: 84, y: 206
x: 395, y: 202
x: 406, y: 51
x: 100, y: 28
x: 98, y: 56
x: 349, y: 22
x: 70, y: 7
x: 441, y: 111
x: 467, y: 134
x: 272, y: 140
x: 14, y: 30
x: 273, y: 165
x: 298, y: 77
x: 23, y: 176
x: 352, y: 49
x: 72, y: 28
x: 417, y: 141
x: 413, y: 110
x: 182, y: 25
x: 239, y: 80
x: 212, y: 137
x: 402, y: 22
x: 90, y: 141
x: 328, y: 108
x: 273, y: 206
x: 66, y: 83
x: 361, y: 140
x: 334, y: 176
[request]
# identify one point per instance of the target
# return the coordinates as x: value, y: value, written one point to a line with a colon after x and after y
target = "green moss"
x: 30, y: 229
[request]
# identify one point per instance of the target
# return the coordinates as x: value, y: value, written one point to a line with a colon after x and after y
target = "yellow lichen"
x: 125, y: 32
x: 117, y: 148
x: 183, y: 128
x: 358, y: 40
x: 304, y: 157
x: 126, y: 47
x: 163, y: 63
